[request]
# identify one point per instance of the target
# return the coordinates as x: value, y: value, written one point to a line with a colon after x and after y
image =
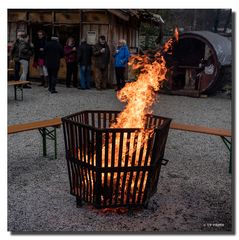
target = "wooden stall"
x: 91, y: 23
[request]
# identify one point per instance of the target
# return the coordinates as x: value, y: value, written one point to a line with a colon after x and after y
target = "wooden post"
x: 53, y: 21
x: 110, y: 41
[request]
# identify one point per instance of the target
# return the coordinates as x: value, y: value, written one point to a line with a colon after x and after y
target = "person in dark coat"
x: 39, y: 57
x: 15, y: 55
x: 70, y: 53
x: 101, y: 52
x: 54, y: 52
x: 84, y: 60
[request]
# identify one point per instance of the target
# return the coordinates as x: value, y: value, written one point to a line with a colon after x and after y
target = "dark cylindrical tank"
x: 195, y: 47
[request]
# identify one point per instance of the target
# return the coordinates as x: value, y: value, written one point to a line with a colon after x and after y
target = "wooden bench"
x: 223, y: 133
x: 42, y: 126
x: 18, y: 85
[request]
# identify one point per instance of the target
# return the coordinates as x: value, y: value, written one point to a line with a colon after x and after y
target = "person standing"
x: 15, y: 55
x: 54, y: 52
x: 101, y: 52
x: 84, y: 60
x: 25, y: 53
x: 121, y: 59
x: 70, y: 53
x: 39, y: 58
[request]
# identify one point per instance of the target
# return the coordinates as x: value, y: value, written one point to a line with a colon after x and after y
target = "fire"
x: 176, y: 34
x: 139, y: 96
x: 169, y: 44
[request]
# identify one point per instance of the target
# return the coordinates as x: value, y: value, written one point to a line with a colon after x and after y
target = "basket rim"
x: 167, y: 120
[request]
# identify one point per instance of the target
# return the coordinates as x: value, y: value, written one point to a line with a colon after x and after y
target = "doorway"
x: 64, y: 32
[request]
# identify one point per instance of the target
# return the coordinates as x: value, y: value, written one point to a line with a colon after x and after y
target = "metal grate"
x: 113, y: 167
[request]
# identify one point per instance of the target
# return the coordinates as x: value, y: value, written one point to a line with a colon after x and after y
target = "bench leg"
x: 51, y: 135
x: 43, y: 134
x: 230, y: 164
x: 228, y: 144
x: 15, y: 92
x: 55, y: 143
x: 21, y: 92
x: 16, y: 89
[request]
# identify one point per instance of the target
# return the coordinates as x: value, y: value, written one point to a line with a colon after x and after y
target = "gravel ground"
x: 194, y: 190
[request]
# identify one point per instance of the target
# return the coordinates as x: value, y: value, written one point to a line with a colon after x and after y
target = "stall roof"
x: 143, y: 15
x: 220, y: 44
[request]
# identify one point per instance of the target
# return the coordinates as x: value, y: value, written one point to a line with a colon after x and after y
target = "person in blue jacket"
x: 121, y: 56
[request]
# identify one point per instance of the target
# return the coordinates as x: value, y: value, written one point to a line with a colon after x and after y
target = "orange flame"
x: 140, y: 95
x: 176, y: 33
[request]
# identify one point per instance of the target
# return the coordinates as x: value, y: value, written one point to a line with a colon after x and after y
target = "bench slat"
x: 55, y: 122
x: 12, y: 83
x: 200, y: 129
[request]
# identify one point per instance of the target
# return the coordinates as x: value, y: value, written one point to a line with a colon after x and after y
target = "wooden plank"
x: 12, y: 32
x: 33, y: 71
x: 103, y: 30
x: 17, y: 16
x: 95, y: 17
x: 68, y: 17
x: 40, y: 17
x: 62, y: 69
x: 55, y: 122
x: 119, y: 14
x: 95, y: 27
x: 14, y: 83
x: 200, y: 129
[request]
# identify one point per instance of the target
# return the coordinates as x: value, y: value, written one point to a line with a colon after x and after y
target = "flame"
x: 140, y: 95
x: 176, y: 34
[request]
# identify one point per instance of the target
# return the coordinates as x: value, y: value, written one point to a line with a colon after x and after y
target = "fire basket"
x: 113, y: 167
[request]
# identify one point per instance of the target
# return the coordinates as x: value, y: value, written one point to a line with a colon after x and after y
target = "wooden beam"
x: 55, y: 122
x: 14, y: 83
x: 200, y: 129
x: 119, y: 14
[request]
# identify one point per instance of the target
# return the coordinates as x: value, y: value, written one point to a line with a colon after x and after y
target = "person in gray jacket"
x: 15, y: 55
x: 25, y: 53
